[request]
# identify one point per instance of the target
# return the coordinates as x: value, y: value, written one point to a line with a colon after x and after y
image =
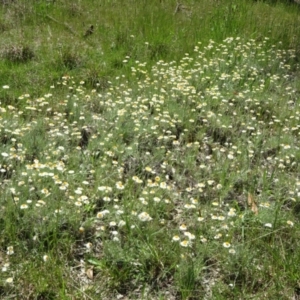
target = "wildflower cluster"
x: 189, y: 152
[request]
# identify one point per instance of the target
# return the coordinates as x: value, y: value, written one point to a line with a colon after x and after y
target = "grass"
x: 157, y: 158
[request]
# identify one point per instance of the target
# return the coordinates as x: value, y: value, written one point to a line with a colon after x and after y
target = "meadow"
x: 154, y: 155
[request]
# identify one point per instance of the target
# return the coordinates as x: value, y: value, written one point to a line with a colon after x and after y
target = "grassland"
x: 155, y: 157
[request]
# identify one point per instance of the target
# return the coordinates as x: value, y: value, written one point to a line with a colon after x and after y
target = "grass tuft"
x: 18, y: 53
